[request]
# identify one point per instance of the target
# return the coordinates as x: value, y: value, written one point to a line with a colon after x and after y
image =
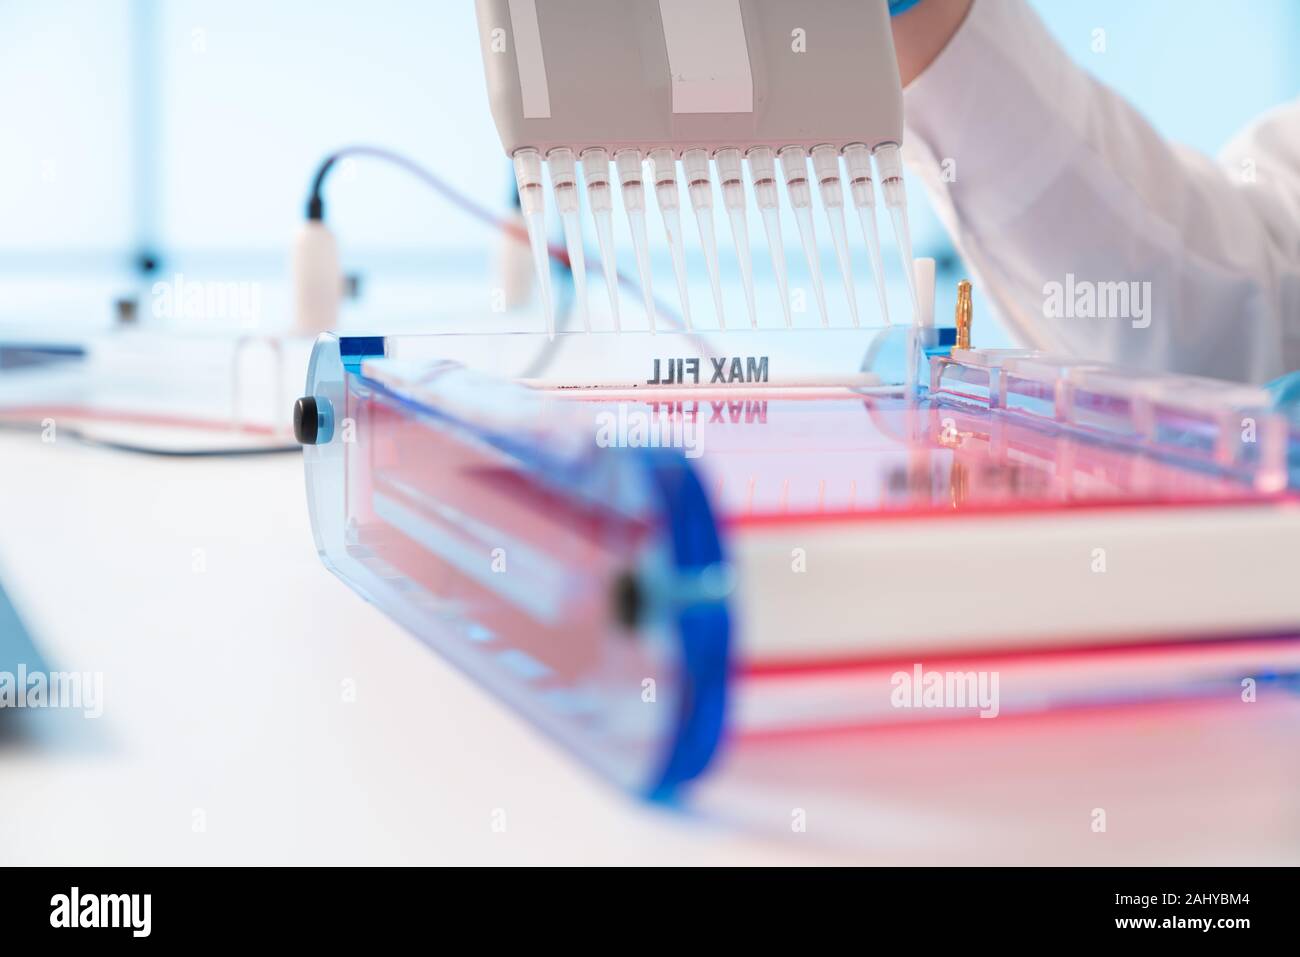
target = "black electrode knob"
x: 628, y: 600
x: 306, y: 421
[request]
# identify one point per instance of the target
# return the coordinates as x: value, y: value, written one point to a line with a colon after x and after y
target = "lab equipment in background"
x: 170, y: 392
x: 691, y: 80
x: 763, y: 538
x: 317, y: 278
x: 1219, y: 425
x: 217, y: 387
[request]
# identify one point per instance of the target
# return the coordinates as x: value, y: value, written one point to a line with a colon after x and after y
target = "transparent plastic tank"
x: 635, y: 602
x: 501, y: 534
x: 1220, y: 426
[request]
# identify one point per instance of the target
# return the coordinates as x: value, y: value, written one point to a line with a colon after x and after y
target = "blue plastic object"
x: 1286, y: 393
x: 576, y: 582
x: 901, y: 6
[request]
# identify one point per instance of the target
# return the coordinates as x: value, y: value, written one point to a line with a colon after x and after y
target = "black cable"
x: 188, y: 453
x: 316, y: 209
x: 84, y: 439
x: 316, y: 199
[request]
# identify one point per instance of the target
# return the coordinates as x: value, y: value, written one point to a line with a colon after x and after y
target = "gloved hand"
x: 898, y: 6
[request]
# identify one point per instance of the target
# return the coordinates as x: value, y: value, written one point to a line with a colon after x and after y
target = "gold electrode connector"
x: 965, y: 312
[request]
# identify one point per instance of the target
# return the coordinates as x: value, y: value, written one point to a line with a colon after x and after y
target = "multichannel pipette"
x: 600, y: 196
x: 528, y: 173
x: 733, y: 197
x: 795, y: 167
x: 696, y: 165
x: 857, y: 159
x: 627, y: 163
x: 889, y: 165
x: 665, y: 174
x: 565, y: 184
x: 762, y: 175
x: 651, y: 521
x: 826, y: 164
x: 727, y: 81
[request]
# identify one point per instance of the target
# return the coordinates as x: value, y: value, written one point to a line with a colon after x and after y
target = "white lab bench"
x: 230, y: 654
x: 228, y: 651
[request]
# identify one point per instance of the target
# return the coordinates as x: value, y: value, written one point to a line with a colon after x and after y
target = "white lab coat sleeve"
x: 1055, y: 189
